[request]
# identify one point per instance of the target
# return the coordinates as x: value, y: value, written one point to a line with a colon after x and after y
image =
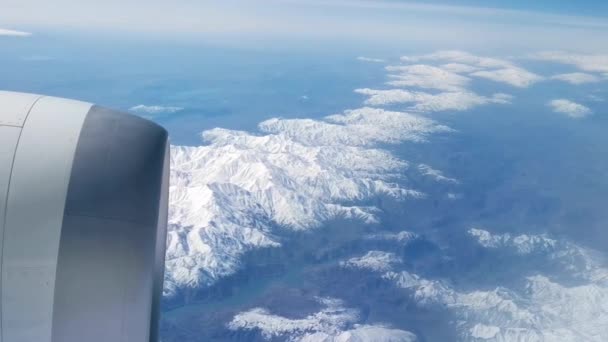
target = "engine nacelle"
x: 83, y: 219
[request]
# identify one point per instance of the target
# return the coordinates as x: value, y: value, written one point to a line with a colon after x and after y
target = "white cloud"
x: 458, y: 67
x: 426, y: 76
x: 496, y: 69
x: 377, y: 261
x: 595, y: 98
x: 334, y: 323
x: 586, y: 62
x: 577, y: 78
x: 461, y: 57
x: 154, y: 110
x: 13, y: 33
x: 572, y: 109
x: 425, y: 102
x: 514, y: 76
x: 369, y: 59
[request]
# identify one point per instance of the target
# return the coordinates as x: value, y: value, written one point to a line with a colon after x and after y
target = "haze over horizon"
x: 471, y: 24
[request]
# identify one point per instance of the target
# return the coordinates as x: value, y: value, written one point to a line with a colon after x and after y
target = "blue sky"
x: 597, y: 8
x: 464, y: 24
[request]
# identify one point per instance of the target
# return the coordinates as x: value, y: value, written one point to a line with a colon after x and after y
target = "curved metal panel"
x: 161, y: 245
x: 9, y: 136
x: 8, y: 143
x: 118, y: 168
x: 113, y: 226
x: 15, y: 107
x: 34, y: 217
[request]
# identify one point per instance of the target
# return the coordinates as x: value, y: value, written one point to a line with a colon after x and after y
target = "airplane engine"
x: 83, y: 219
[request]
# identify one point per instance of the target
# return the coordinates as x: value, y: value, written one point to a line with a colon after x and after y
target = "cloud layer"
x: 426, y: 76
x: 570, y: 108
x: 495, y: 69
x: 517, y: 77
x: 585, y: 62
x: 577, y: 78
x: 155, y: 110
x: 426, y: 102
x: 370, y: 59
x: 13, y: 33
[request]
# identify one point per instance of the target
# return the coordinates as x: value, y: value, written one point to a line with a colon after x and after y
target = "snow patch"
x: 377, y: 261
x: 523, y: 244
x: 333, y: 323
x: 542, y: 311
x: 437, y: 175
x: 484, y: 332
x: 361, y: 333
x: 360, y: 127
x: 402, y: 236
x: 546, y: 311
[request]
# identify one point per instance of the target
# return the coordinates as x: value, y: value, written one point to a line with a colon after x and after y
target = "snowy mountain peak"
x: 228, y: 196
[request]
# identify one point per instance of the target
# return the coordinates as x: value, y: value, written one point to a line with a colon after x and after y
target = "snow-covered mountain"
x: 228, y: 196
x: 242, y: 191
x: 540, y: 310
x: 334, y: 323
